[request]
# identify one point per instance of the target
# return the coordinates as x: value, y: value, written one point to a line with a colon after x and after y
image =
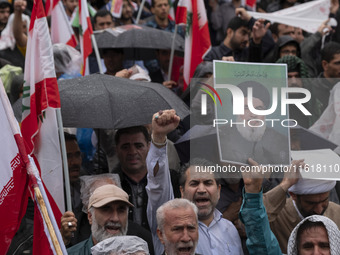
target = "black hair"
x: 16, y: 88
x: 102, y: 13
x: 195, y: 162
x: 274, y: 28
x: 70, y: 137
x: 132, y: 130
x: 236, y: 22
x: 5, y: 4
x: 330, y: 49
x: 306, y: 226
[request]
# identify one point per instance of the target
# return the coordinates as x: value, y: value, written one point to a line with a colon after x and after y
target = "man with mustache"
x: 132, y: 146
x: 108, y: 216
x: 216, y: 234
x: 178, y: 227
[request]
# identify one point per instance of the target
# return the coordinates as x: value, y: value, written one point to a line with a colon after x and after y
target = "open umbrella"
x: 200, y: 141
x: 105, y: 101
x: 138, y: 42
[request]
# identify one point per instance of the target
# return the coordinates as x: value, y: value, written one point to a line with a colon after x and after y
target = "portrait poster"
x: 250, y: 120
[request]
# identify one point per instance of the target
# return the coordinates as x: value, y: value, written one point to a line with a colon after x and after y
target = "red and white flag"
x: 14, y: 178
x: 61, y: 30
x: 251, y: 4
x: 85, y: 32
x: 192, y: 13
x: 116, y: 8
x: 39, y: 124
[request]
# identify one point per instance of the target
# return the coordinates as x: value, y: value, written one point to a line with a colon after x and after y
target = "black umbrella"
x: 198, y: 142
x: 138, y: 42
x: 105, y: 101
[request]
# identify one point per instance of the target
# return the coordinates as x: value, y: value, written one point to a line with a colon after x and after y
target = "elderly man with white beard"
x: 242, y: 141
x: 178, y: 227
x: 108, y: 215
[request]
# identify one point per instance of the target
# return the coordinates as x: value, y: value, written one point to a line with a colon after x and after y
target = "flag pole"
x: 50, y: 228
x: 140, y: 11
x: 30, y: 170
x: 172, y: 53
x: 96, y: 51
x: 64, y: 157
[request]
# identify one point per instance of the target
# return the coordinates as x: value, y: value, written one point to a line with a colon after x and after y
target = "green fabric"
x: 83, y: 248
x: 75, y: 17
x: 7, y: 73
x: 294, y: 63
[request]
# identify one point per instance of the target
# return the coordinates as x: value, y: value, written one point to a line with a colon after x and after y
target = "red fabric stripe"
x: 46, y: 95
x: 72, y: 42
x: 37, y: 12
x: 181, y: 15
x: 55, y: 2
x: 201, y: 37
x: 40, y: 244
x: 47, y: 7
x: 87, y: 48
x: 89, y: 27
x: 29, y: 126
x: 251, y: 3
x: 13, y: 207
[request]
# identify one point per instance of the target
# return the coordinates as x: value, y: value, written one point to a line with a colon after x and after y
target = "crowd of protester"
x: 133, y: 183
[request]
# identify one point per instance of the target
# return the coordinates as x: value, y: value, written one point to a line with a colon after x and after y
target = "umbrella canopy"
x: 198, y: 142
x: 105, y: 101
x: 138, y: 42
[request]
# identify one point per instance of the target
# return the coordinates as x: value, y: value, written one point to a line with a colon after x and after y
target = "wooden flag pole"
x: 47, y: 219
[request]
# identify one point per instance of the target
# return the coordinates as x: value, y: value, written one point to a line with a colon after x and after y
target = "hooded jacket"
x: 332, y: 231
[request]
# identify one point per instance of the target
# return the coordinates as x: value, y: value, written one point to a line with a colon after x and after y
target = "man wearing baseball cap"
x: 108, y: 216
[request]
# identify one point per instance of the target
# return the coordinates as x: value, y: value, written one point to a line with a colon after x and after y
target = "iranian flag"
x: 61, y: 30
x: 192, y: 13
x: 39, y: 124
x: 14, y: 178
x: 85, y: 32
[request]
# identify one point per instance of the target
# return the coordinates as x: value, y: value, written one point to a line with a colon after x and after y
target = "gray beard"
x: 99, y: 233
x: 252, y: 134
x: 171, y: 248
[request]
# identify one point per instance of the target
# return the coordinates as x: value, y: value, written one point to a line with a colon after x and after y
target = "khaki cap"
x: 107, y: 194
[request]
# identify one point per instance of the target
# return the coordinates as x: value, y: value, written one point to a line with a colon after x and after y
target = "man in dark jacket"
x: 237, y: 39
